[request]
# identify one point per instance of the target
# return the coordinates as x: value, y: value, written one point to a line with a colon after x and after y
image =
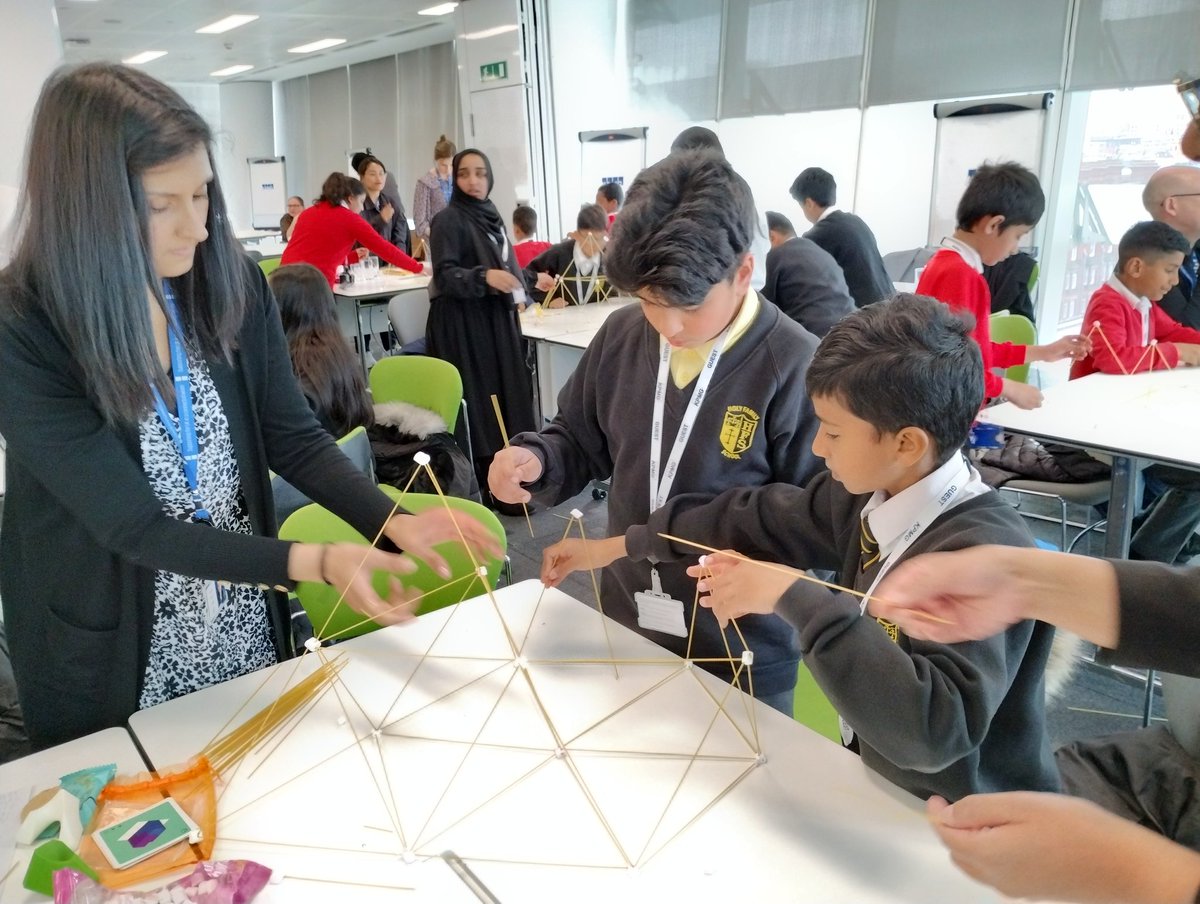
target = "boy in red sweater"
x: 1130, y: 332
x: 1002, y: 203
x: 1134, y: 335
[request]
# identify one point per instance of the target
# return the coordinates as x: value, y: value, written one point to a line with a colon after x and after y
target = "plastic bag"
x: 191, y: 786
x: 212, y: 882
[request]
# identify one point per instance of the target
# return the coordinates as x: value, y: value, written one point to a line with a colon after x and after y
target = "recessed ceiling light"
x: 490, y: 32
x: 144, y: 57
x: 232, y: 70
x: 317, y: 45
x: 442, y: 9
x: 223, y: 25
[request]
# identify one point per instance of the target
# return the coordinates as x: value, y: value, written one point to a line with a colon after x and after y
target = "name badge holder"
x: 658, y: 611
x: 186, y: 442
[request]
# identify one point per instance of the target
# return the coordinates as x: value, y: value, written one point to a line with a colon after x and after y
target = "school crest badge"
x: 737, y: 430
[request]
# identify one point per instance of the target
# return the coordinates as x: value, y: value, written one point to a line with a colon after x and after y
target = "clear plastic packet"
x: 211, y: 882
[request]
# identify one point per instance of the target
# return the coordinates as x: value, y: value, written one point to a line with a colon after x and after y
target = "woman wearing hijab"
x: 472, y: 313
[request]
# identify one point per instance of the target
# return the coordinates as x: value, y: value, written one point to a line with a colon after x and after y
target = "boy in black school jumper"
x: 896, y: 386
x: 579, y: 261
x: 700, y: 334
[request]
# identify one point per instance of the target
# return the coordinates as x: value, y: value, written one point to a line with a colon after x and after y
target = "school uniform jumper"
x: 852, y: 244
x: 1121, y: 324
x: 755, y: 426
x: 948, y: 719
x: 557, y: 260
x: 951, y: 280
x: 325, y: 233
x: 807, y: 284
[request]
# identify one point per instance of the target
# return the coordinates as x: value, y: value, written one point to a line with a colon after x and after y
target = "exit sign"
x: 493, y: 72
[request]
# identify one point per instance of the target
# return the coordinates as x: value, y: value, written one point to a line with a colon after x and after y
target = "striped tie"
x: 868, y: 547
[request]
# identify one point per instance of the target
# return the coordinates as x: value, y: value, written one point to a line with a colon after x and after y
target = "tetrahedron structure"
x: 446, y: 732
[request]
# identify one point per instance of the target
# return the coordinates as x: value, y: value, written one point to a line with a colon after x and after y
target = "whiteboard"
x: 268, y: 192
x: 964, y: 142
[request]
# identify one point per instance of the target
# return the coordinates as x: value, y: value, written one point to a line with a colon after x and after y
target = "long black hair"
x: 327, y: 370
x: 83, y: 250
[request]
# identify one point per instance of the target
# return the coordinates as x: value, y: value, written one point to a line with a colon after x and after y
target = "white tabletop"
x: 573, y: 324
x: 384, y: 284
x: 44, y: 770
x: 465, y: 760
x: 1146, y: 415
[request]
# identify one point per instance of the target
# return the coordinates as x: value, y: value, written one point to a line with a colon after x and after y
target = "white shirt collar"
x: 585, y: 265
x: 965, y: 251
x: 832, y: 208
x: 890, y: 517
x: 1140, y: 303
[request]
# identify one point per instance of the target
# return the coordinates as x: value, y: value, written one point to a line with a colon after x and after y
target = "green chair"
x: 429, y: 383
x: 314, y: 524
x: 357, y: 447
x: 812, y: 708
x: 269, y: 265
x: 1019, y: 330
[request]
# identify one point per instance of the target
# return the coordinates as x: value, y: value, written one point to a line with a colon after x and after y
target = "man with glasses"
x: 1172, y: 196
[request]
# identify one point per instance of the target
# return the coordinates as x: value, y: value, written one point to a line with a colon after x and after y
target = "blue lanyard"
x: 184, y: 438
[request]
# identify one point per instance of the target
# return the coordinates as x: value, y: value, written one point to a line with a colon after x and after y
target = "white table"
x: 43, y: 770
x: 371, y: 293
x: 1146, y: 417
x: 465, y: 761
x: 560, y: 336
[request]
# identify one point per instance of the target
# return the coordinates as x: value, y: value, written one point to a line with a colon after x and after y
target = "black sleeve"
x: 456, y: 270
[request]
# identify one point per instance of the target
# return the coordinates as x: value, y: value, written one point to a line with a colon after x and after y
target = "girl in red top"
x: 325, y: 233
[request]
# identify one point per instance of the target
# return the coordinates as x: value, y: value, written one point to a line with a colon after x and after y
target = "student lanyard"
x: 941, y: 498
x: 502, y: 244
x: 660, y: 490
x: 184, y: 438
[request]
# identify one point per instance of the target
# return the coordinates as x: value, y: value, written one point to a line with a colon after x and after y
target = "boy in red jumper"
x: 1002, y: 203
x: 1124, y: 312
x: 1134, y: 336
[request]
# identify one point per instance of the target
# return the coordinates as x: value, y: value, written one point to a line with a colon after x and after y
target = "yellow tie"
x: 868, y: 547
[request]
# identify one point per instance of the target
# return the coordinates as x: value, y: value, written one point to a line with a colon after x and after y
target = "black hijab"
x: 483, y: 214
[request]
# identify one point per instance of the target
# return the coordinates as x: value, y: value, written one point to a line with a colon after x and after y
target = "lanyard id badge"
x: 943, y: 497
x: 186, y: 441
x: 658, y: 611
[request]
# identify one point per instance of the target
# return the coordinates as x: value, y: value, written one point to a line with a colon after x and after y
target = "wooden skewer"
x: 800, y: 576
x: 504, y: 436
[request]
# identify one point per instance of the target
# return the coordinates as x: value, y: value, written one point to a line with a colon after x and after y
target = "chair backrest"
x: 357, y: 447
x: 269, y: 265
x: 428, y: 382
x: 314, y: 524
x: 408, y: 313
x: 812, y: 708
x: 1019, y: 330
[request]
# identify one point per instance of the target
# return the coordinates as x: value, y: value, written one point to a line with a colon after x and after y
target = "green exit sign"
x: 493, y: 72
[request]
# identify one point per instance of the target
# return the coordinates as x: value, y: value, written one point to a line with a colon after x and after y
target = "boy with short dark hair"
x: 803, y: 279
x: 573, y: 270
x: 1002, y: 202
x: 1124, y: 312
x: 1132, y: 334
x: 727, y: 370
x: 525, y: 244
x: 610, y: 196
x: 896, y: 386
x: 842, y: 235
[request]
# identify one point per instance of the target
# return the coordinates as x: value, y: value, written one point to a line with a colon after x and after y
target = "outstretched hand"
x: 569, y: 556
x: 349, y: 567
x: 418, y: 534
x: 948, y: 597
x: 510, y: 468
x: 1032, y: 845
x: 733, y: 585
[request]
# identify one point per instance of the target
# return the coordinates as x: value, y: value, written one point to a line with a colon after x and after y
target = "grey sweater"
x: 948, y: 719
x: 755, y: 427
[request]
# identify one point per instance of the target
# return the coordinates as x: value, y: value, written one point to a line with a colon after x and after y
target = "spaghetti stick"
x: 799, y: 575
x: 504, y: 436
